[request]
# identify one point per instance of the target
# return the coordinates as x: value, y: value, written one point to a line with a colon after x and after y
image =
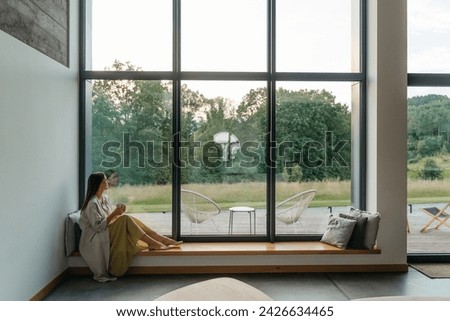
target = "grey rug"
x: 433, y: 270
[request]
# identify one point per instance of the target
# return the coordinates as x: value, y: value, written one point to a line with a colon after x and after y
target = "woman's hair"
x: 94, y: 181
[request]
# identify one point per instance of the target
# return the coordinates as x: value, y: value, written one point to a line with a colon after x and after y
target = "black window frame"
x: 271, y: 76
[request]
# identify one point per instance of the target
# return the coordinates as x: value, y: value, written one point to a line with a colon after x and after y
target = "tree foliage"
x: 313, y: 132
x: 431, y: 171
x: 428, y: 125
x: 132, y: 133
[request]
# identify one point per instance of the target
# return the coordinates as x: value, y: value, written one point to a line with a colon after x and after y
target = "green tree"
x: 429, y: 146
x: 137, y: 115
x: 293, y: 174
x: 430, y: 170
x: 428, y: 125
x: 428, y: 116
x: 313, y: 132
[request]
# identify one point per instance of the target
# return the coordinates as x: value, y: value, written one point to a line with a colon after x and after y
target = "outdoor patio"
x: 314, y: 221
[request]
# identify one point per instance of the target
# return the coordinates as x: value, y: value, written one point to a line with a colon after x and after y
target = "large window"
x: 428, y: 123
x: 214, y: 118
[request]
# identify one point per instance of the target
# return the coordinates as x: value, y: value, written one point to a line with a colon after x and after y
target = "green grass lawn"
x: 151, y: 199
x: 158, y: 198
x: 443, y: 161
x: 426, y: 191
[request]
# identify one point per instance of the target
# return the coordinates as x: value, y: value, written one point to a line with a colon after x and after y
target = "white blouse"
x: 94, y: 241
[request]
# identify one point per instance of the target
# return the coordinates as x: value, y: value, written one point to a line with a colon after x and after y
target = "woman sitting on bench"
x: 109, y: 238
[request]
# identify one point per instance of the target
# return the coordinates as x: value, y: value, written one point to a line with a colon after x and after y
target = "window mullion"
x: 271, y: 102
x: 176, y: 125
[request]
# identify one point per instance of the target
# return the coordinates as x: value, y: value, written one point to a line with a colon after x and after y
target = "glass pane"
x: 428, y: 35
x: 314, y: 35
x: 131, y: 135
x: 134, y: 31
x: 224, y: 35
x: 428, y: 167
x: 223, y: 172
x: 313, y: 135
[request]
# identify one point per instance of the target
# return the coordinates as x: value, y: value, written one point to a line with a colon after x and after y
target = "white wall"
x: 38, y: 162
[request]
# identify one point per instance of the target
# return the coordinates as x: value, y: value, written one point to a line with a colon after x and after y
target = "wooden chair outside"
x: 438, y: 216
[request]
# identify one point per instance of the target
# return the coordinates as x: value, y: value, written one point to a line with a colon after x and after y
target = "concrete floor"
x: 280, y: 287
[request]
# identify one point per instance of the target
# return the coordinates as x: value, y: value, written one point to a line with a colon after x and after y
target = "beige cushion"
x: 339, y: 231
x: 218, y: 289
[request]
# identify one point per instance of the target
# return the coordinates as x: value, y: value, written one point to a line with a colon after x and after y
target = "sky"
x: 217, y: 37
x: 428, y: 41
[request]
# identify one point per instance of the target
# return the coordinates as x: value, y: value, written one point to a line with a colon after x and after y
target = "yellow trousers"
x: 125, y: 243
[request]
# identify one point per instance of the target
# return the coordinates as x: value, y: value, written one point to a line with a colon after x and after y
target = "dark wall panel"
x: 41, y: 24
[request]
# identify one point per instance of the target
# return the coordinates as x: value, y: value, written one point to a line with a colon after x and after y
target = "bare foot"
x: 174, y: 244
x: 164, y: 247
x: 158, y: 247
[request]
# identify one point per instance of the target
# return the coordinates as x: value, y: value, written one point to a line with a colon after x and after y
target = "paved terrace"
x: 314, y: 221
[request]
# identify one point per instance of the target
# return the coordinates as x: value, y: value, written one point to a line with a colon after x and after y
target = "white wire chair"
x: 198, y: 208
x: 291, y: 210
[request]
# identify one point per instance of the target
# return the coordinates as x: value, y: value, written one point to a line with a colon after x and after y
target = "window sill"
x: 254, y: 248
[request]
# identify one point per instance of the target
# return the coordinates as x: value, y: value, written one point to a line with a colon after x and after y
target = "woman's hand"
x: 122, y: 207
x: 119, y: 210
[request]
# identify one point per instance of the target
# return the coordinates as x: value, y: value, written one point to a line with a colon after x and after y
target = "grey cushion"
x: 373, y: 222
x: 359, y: 232
x: 339, y: 231
x: 72, y: 232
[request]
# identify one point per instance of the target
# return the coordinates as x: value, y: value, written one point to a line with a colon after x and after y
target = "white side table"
x: 242, y: 209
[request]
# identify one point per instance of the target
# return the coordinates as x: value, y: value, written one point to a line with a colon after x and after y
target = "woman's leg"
x: 156, y: 236
x: 163, y: 239
x: 133, y: 230
x: 153, y: 244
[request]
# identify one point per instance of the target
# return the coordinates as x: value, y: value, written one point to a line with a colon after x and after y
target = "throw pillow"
x: 359, y: 232
x: 339, y: 231
x: 373, y: 222
x: 72, y: 232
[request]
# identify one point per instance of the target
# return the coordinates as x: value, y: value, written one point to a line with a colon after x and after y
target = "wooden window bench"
x: 253, y: 248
